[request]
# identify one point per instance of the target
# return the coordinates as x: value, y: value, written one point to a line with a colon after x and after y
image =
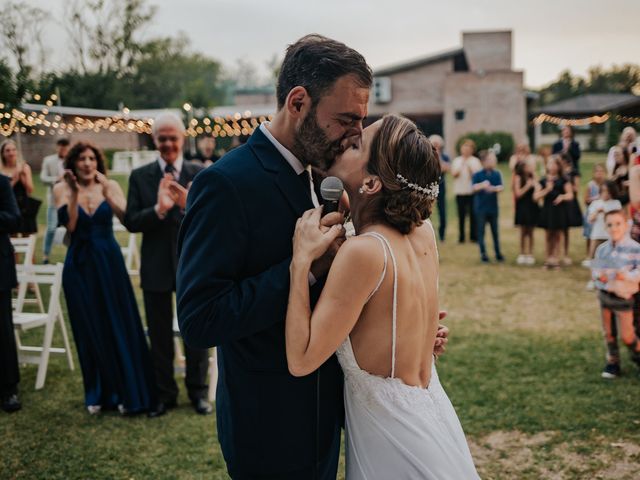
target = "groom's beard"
x: 312, y: 146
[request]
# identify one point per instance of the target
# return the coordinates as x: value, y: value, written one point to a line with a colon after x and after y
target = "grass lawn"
x: 523, y: 371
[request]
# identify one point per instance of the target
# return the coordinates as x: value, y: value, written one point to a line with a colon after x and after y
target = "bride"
x: 379, y: 310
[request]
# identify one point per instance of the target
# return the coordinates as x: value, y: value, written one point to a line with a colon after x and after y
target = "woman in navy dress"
x: 112, y: 348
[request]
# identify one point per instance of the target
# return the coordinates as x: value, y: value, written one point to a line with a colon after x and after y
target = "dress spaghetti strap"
x: 386, y: 245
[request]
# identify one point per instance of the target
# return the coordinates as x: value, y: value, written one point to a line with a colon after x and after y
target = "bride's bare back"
x: 417, y: 307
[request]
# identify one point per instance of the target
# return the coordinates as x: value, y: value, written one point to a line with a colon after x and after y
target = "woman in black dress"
x: 19, y: 174
x: 527, y: 210
x: 556, y: 191
x: 574, y: 212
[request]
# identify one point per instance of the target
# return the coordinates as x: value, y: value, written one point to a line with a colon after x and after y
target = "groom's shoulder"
x: 238, y: 165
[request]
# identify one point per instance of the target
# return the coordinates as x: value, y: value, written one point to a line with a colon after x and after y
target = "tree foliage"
x: 618, y: 79
x: 113, y: 63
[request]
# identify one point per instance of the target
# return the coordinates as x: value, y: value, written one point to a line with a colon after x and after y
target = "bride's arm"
x: 311, y: 338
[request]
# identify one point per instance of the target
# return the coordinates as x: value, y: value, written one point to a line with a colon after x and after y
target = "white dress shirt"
x: 177, y: 165
x: 292, y: 160
x: 298, y: 167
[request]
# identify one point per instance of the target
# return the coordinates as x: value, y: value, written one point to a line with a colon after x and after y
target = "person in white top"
x: 462, y: 170
x: 629, y: 142
x: 379, y: 310
x: 597, y: 209
x: 50, y: 174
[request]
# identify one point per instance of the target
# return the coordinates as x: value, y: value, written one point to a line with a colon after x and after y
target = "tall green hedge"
x: 486, y: 140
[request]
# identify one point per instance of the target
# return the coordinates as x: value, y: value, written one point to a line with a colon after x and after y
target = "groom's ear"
x: 298, y: 102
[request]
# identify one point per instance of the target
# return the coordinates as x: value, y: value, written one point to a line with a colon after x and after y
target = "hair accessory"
x: 430, y: 191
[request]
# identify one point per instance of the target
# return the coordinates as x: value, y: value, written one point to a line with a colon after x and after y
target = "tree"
x: 617, y: 79
x: 106, y: 35
x: 21, y: 34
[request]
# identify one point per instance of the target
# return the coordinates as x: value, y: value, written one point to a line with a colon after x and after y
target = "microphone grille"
x: 331, y: 189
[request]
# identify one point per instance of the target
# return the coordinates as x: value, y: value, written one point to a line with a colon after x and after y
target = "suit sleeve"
x: 137, y: 217
x: 216, y: 304
x: 9, y: 213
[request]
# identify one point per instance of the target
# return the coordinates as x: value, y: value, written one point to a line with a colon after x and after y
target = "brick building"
x: 464, y: 90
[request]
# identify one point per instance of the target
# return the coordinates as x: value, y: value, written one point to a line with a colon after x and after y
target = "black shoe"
x: 160, y: 409
x: 499, y: 258
x: 611, y: 370
x: 11, y: 403
x: 202, y: 407
x: 484, y: 259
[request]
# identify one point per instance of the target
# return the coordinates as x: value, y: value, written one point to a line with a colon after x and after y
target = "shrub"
x: 486, y: 140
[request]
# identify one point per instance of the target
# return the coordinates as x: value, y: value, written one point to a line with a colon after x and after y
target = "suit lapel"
x: 283, y: 174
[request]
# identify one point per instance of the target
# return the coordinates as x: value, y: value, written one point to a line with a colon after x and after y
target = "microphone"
x: 331, y: 190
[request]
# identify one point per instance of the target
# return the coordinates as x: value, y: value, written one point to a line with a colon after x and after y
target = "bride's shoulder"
x: 361, y: 254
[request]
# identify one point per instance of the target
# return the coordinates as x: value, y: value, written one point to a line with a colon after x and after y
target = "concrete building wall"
x: 418, y: 91
x: 493, y: 101
x: 488, y: 50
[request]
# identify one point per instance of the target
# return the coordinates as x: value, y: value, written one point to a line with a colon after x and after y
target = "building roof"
x: 419, y: 62
x: 589, y: 104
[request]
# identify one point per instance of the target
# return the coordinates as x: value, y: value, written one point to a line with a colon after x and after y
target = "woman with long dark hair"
x: 112, y: 348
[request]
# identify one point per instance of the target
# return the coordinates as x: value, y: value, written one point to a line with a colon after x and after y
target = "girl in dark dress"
x: 19, y: 174
x: 527, y: 210
x: 575, y: 217
x: 621, y: 174
x: 112, y: 348
x: 556, y: 191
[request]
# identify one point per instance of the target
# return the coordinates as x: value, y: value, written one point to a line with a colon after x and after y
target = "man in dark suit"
x: 155, y: 207
x: 566, y: 144
x: 233, y: 274
x: 9, y: 372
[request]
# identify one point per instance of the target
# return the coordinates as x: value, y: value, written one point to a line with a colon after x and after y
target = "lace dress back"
x: 395, y: 430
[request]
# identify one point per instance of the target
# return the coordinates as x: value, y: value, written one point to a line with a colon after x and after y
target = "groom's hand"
x: 321, y: 266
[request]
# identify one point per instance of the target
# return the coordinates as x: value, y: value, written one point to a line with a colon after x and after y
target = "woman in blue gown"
x: 113, y: 352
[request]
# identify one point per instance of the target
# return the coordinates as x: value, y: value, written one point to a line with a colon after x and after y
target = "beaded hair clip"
x: 431, y: 191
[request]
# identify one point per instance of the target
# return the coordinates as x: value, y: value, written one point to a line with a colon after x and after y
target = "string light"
x: 15, y: 120
x: 576, y: 122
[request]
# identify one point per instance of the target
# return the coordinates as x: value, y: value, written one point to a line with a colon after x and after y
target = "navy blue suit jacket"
x: 574, y: 151
x: 234, y: 252
x: 9, y: 223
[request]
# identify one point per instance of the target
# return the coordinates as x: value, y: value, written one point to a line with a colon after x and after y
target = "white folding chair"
x: 130, y: 252
x: 50, y: 275
x: 143, y: 157
x: 26, y: 247
x: 122, y: 162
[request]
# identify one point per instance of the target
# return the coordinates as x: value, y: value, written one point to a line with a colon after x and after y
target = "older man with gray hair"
x: 155, y: 207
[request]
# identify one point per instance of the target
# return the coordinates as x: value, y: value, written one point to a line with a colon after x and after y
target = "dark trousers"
x: 442, y: 212
x: 159, y: 309
x: 9, y: 372
x: 492, y: 219
x: 465, y: 207
x: 327, y: 468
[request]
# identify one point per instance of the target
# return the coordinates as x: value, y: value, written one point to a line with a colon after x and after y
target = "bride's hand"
x: 310, y: 242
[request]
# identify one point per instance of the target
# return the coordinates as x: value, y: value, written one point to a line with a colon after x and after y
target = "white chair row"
x: 124, y: 162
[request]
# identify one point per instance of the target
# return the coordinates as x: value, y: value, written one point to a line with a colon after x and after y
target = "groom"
x: 233, y: 273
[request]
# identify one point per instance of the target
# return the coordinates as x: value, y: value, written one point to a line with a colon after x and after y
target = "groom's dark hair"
x: 316, y: 63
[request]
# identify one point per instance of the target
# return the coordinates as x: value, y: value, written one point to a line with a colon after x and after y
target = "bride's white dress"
x: 397, y: 431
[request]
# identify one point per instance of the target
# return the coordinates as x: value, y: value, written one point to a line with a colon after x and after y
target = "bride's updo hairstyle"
x: 409, y: 169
